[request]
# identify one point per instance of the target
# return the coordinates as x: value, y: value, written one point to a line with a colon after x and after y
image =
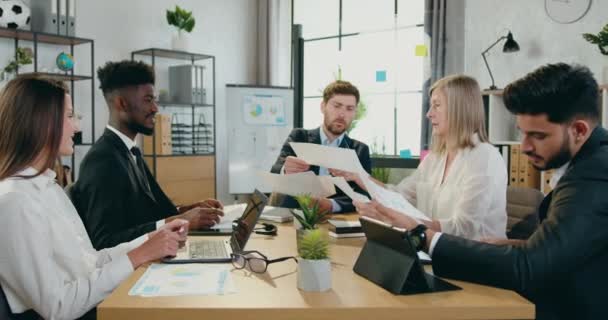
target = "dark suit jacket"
x: 111, y: 198
x: 314, y: 136
x: 563, y: 266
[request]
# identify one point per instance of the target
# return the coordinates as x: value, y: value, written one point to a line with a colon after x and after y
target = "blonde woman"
x: 461, y: 185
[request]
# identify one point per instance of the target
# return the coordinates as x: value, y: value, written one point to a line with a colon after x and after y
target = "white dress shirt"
x: 129, y: 143
x: 471, y: 201
x: 47, y: 261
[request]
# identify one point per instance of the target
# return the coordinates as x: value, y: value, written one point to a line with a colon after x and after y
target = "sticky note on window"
x: 381, y: 76
x: 422, y: 50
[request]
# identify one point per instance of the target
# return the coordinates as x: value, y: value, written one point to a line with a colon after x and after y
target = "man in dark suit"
x: 562, y: 267
x: 339, y: 106
x: 116, y: 196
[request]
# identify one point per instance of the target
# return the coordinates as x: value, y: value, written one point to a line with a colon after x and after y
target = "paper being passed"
x: 328, y: 157
x: 341, y: 183
x: 300, y: 183
x: 392, y: 199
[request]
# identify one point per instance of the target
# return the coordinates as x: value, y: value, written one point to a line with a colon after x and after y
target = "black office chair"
x: 7, y: 314
x: 5, y: 310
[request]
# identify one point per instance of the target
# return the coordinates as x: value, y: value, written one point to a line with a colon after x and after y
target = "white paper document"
x: 231, y: 213
x: 163, y: 280
x: 299, y: 184
x: 328, y: 157
x: 392, y: 200
x: 341, y: 183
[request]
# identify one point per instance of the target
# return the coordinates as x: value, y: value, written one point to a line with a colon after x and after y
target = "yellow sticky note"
x: 421, y: 50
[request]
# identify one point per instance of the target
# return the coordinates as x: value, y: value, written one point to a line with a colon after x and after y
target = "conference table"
x: 274, y: 294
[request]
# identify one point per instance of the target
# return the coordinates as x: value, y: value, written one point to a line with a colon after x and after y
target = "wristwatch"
x: 418, y: 236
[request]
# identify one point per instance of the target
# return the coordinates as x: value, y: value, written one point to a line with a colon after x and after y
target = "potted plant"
x: 24, y: 57
x: 309, y: 216
x: 184, y: 22
x: 601, y: 40
x: 314, y: 268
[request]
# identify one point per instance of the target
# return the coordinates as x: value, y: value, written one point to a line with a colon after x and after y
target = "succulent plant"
x: 314, y: 246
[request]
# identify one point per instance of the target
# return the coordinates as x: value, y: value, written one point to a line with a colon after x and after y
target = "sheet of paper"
x: 231, y: 213
x: 299, y: 183
x: 392, y: 200
x: 341, y: 183
x: 163, y: 280
x: 328, y: 157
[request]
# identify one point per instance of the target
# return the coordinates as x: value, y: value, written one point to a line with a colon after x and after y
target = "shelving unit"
x: 187, y: 174
x: 36, y: 38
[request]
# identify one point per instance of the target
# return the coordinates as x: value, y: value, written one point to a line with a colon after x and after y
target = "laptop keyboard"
x: 208, y: 249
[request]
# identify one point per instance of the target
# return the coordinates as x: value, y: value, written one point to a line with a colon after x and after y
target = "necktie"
x: 139, y: 160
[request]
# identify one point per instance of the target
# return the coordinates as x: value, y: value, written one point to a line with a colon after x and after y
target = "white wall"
x: 225, y: 29
x: 541, y: 39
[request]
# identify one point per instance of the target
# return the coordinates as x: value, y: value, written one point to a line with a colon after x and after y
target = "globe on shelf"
x: 14, y: 14
x: 65, y: 61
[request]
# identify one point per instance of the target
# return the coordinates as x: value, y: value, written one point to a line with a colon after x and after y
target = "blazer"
x: 314, y: 136
x: 562, y: 267
x: 111, y: 198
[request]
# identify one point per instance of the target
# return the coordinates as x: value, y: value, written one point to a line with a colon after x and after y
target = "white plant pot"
x: 314, y: 275
x: 180, y: 42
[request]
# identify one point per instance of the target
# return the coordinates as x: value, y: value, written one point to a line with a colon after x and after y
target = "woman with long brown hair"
x: 47, y: 263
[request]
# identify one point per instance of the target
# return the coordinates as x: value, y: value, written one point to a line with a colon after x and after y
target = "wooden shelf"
x: 171, y: 54
x: 492, y: 92
x: 603, y: 86
x: 41, y: 37
x: 61, y: 76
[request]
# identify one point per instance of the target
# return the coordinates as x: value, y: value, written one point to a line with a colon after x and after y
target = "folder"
x: 63, y: 23
x: 528, y: 175
x: 514, y: 165
x: 71, y: 18
x: 546, y: 179
x: 45, y: 16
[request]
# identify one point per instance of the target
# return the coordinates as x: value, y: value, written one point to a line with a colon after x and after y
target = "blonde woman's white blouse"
x: 471, y: 202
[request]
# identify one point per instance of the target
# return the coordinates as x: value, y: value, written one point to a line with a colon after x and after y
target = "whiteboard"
x: 259, y: 121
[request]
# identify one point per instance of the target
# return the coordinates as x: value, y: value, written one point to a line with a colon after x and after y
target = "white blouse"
x: 47, y: 261
x: 471, y: 202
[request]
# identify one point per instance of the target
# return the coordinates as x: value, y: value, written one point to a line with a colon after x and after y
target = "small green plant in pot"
x: 314, y: 267
x: 601, y: 40
x: 24, y: 56
x: 311, y: 212
x: 307, y: 217
x: 184, y: 22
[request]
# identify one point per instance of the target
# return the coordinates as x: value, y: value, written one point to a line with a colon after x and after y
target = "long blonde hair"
x: 466, y: 115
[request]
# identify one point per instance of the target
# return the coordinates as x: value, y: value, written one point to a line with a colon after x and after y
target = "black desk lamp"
x: 510, y: 46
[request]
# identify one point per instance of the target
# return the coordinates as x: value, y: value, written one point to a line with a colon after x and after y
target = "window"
x: 366, y: 43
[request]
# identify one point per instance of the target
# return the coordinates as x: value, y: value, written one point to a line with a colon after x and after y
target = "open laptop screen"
x: 245, y: 225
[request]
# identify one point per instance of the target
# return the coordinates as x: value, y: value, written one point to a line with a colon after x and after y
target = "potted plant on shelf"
x: 308, y: 217
x: 601, y: 40
x: 24, y: 56
x: 184, y: 22
x: 314, y: 268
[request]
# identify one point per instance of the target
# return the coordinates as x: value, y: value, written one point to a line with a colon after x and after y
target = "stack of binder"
x: 54, y: 16
x: 186, y: 84
x: 521, y: 172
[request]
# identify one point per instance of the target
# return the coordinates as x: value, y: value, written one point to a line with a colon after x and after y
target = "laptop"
x: 219, y: 249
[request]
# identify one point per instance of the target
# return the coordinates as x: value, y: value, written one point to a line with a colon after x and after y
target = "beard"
x: 136, y: 127
x: 335, y: 129
x: 562, y: 156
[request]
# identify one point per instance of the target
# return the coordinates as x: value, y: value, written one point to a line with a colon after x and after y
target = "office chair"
x: 522, y: 211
